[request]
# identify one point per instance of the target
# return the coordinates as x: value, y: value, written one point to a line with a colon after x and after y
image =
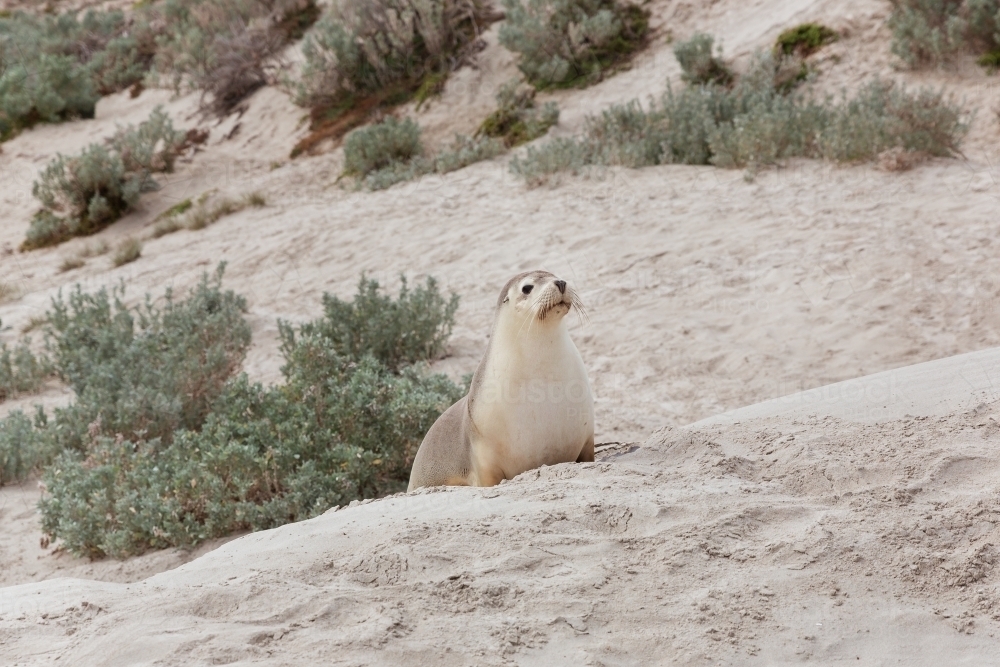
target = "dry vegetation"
x: 204, y: 212
x: 363, y: 57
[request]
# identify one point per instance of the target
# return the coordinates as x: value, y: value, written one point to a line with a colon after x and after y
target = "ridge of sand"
x: 931, y: 389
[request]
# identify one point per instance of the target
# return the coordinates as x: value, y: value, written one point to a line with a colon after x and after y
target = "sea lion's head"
x: 539, y: 295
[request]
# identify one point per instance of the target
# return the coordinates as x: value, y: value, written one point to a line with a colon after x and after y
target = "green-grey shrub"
x: 754, y: 124
x: 21, y: 371
x: 934, y: 32
x: 141, y: 374
x: 517, y: 120
x: 266, y: 457
x: 381, y: 145
x: 699, y: 65
x: 883, y: 116
x: 55, y: 67
x: 343, y: 426
x: 390, y: 152
x: 566, y: 42
x: 85, y: 193
x: 384, y: 47
x: 50, y: 89
x: 129, y: 250
x: 397, y: 332
x: 462, y: 152
x: 24, y: 449
x: 146, y: 372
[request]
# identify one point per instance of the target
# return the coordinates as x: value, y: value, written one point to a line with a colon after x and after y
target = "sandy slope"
x: 765, y: 541
x: 706, y: 293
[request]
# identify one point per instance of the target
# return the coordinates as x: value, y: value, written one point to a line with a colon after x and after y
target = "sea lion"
x: 529, y: 403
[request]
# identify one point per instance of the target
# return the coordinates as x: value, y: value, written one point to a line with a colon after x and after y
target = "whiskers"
x: 554, y: 298
x: 577, y: 303
x: 549, y: 301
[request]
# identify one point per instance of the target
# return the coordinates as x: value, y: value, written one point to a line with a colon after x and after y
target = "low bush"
x: 397, y: 332
x: 883, y: 116
x: 50, y: 89
x: 93, y: 189
x: 572, y: 42
x: 699, y: 65
x: 364, y: 57
x: 209, y: 212
x: 991, y: 61
x: 787, y: 67
x: 462, y: 152
x: 140, y: 373
x: 381, y: 145
x: 390, y: 152
x: 516, y: 120
x: 71, y: 263
x: 165, y: 447
x: 21, y: 372
x: 23, y: 451
x: 754, y: 124
x: 177, y: 209
x: 55, y: 67
x: 146, y: 372
x: 935, y: 32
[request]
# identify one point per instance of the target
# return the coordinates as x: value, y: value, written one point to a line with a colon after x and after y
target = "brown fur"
x: 443, y: 457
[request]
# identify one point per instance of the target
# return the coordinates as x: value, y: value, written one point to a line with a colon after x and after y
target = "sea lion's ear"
x: 506, y: 299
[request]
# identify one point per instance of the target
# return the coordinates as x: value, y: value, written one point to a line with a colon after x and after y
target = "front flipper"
x: 587, y: 455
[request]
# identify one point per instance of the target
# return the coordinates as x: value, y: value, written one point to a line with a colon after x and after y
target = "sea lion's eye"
x: 527, y: 289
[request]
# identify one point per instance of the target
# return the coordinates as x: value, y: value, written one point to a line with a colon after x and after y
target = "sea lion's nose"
x: 561, y: 284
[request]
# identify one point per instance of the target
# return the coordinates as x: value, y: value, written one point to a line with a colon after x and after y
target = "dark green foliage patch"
x: 804, y: 40
x: 517, y: 120
x: 991, y: 60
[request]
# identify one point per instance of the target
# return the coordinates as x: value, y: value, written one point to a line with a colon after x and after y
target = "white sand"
x: 706, y: 293
x: 769, y: 541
